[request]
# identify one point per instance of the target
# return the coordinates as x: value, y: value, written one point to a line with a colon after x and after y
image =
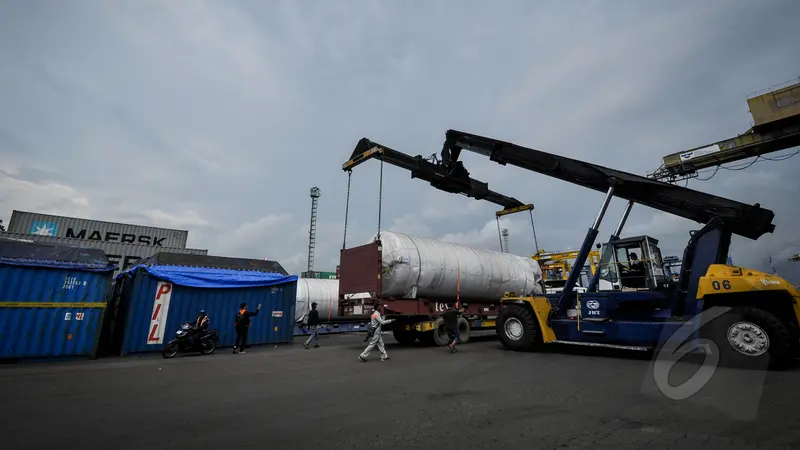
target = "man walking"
x: 450, y: 318
x: 242, y: 324
x: 376, y: 323
x: 313, y: 323
x: 450, y: 322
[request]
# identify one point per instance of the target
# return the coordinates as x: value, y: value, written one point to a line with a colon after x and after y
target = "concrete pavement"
x: 483, y: 396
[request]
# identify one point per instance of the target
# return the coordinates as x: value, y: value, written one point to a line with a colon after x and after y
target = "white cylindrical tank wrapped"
x: 324, y: 292
x: 416, y: 267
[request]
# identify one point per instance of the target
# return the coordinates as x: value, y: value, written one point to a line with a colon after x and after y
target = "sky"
x: 218, y: 117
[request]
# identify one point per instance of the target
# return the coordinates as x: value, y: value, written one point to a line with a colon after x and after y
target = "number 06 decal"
x: 726, y: 285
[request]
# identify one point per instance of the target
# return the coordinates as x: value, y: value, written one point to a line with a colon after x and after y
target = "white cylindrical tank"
x: 324, y: 292
x: 416, y: 267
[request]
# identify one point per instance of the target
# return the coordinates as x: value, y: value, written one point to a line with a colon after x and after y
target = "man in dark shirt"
x: 242, y: 324
x: 313, y: 323
x: 450, y: 321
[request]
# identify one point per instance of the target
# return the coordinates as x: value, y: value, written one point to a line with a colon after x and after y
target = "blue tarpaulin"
x: 207, y: 277
x: 14, y: 253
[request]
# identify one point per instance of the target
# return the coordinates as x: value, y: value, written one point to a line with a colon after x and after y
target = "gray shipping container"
x: 95, y: 230
x: 125, y: 255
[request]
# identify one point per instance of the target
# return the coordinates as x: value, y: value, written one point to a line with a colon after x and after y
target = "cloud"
x: 46, y: 198
x: 189, y: 219
x: 218, y: 117
x: 252, y: 238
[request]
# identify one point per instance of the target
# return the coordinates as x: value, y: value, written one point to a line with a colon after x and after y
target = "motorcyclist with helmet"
x: 200, y: 327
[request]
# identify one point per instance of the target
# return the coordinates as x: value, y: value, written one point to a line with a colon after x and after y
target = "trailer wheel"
x: 463, y: 330
x: 517, y: 328
x: 439, y: 334
x: 404, y: 337
x: 750, y: 338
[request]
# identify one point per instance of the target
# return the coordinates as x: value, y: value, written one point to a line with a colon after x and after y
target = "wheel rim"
x: 172, y: 350
x: 208, y: 346
x: 441, y: 334
x: 514, y: 329
x: 748, y: 338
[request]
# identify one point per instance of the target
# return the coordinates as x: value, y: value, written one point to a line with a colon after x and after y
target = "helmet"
x: 202, y: 311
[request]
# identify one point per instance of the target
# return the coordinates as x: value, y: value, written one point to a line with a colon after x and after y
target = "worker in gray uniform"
x: 376, y: 323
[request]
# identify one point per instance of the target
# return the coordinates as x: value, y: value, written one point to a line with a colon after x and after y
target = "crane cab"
x: 633, y: 264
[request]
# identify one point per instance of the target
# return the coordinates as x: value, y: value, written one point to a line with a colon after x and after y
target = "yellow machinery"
x: 775, y: 126
x: 556, y: 266
x: 752, y: 317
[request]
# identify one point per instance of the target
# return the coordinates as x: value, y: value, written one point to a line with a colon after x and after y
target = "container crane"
x: 775, y: 127
x: 443, y: 174
x: 758, y: 325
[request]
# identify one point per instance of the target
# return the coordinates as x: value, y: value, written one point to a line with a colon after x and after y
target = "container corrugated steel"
x: 274, y: 324
x: 95, y: 230
x: 48, y: 312
x: 125, y: 255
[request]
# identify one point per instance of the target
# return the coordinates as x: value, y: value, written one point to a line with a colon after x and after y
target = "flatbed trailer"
x: 360, y: 324
x: 415, y: 318
x: 360, y: 267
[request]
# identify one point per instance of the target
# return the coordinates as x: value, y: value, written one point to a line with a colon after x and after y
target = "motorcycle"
x: 205, y: 343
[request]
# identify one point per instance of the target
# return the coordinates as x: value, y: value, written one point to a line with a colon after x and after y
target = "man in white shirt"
x: 376, y: 323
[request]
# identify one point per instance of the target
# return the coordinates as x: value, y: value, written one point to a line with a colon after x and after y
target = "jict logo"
x: 593, y: 304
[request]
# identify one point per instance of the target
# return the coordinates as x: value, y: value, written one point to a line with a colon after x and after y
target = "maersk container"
x: 52, y: 300
x: 124, y: 255
x: 95, y: 230
x: 157, y: 299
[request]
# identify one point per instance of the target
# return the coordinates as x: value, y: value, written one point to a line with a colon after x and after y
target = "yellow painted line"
x: 51, y: 305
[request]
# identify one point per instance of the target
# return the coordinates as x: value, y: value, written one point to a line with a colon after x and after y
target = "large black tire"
x: 170, y: 350
x: 404, y: 337
x: 208, y: 347
x: 750, y: 338
x: 463, y: 330
x: 517, y: 328
x: 439, y: 334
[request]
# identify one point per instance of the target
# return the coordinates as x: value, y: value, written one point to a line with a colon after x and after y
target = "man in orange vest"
x: 242, y: 325
x: 200, y: 325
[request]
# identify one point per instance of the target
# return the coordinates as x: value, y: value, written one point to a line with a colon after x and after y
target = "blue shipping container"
x: 52, y: 300
x: 157, y: 299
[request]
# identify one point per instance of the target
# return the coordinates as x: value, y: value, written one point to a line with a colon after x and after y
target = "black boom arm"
x: 750, y: 221
x: 447, y: 175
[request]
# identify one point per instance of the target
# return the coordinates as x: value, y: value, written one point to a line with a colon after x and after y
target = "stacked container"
x: 52, y: 300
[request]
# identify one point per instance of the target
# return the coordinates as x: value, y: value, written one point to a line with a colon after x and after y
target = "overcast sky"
x: 218, y: 117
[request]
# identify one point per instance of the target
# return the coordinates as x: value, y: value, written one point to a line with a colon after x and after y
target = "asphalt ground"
x: 286, y: 397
